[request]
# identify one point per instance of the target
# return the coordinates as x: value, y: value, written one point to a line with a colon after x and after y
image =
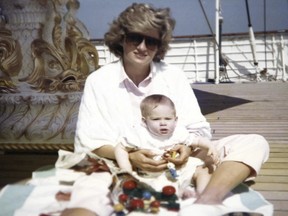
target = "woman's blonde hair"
x: 141, y: 18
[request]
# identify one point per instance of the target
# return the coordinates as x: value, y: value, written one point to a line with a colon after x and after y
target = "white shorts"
x: 252, y: 150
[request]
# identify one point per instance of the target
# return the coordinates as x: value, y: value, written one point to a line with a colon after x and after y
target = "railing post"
x: 216, y: 47
x: 284, y: 76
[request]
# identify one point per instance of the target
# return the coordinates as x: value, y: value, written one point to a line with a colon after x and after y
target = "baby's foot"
x: 189, y: 192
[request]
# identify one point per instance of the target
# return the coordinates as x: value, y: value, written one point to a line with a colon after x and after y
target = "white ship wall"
x: 195, y: 55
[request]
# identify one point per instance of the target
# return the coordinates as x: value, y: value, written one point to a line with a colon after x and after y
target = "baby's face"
x: 161, y: 121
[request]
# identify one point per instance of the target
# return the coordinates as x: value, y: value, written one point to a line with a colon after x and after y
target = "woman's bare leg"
x: 224, y: 179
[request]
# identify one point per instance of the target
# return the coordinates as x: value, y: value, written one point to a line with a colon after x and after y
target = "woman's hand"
x: 143, y: 159
x: 184, y: 153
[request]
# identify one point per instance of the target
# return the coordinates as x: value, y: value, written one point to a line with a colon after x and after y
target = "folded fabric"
x: 68, y: 175
x: 39, y: 196
x: 42, y: 200
x: 242, y: 199
x: 12, y: 197
x: 31, y: 200
x: 68, y: 159
x: 87, y: 193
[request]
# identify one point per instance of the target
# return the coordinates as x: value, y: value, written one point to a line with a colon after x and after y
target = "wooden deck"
x: 230, y: 108
x: 254, y: 108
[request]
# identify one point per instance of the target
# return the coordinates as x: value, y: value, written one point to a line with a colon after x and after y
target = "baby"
x: 160, y: 134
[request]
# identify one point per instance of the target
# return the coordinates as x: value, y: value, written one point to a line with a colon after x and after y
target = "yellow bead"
x: 118, y: 207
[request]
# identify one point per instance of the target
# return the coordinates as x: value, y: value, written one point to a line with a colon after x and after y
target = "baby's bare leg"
x: 201, y: 178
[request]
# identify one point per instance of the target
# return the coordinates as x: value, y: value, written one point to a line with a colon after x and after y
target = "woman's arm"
x: 143, y: 159
x: 97, y: 123
x: 106, y: 151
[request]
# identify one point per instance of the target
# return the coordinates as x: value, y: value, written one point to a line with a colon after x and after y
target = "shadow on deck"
x: 254, y: 108
x: 211, y: 102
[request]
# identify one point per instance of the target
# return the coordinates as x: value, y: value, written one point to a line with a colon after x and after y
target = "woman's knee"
x: 260, y: 143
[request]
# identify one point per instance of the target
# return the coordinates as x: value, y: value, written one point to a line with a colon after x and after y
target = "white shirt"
x: 141, y: 138
x: 111, y: 104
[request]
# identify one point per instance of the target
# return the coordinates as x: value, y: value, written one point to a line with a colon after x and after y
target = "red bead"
x: 155, y: 204
x: 136, y: 204
x: 123, y: 198
x: 168, y: 190
x: 129, y: 185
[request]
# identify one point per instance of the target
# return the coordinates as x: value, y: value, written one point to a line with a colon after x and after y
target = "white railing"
x: 196, y: 56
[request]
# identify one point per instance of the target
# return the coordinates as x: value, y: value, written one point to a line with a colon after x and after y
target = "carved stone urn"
x: 45, y: 58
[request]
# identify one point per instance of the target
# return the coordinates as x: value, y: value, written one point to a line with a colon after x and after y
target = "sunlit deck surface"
x: 260, y: 108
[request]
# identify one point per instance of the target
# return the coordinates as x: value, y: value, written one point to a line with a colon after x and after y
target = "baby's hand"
x: 170, y: 154
x: 182, y: 154
x: 213, y: 154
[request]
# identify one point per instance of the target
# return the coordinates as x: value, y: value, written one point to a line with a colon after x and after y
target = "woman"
x: 111, y: 99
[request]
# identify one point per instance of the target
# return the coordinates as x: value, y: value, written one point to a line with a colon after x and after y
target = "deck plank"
x: 254, y: 108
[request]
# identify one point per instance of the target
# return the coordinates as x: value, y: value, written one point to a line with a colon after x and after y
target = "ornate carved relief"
x: 45, y: 118
x: 45, y: 58
x: 10, y: 58
x: 63, y: 63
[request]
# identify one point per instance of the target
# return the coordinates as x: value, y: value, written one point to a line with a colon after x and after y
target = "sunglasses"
x: 136, y: 39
